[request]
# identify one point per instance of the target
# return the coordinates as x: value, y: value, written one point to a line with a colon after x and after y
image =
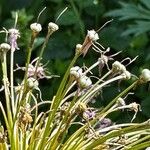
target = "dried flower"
x: 88, y: 114
x: 3, y: 135
x: 118, y: 67
x: 84, y: 82
x: 13, y: 36
x: 76, y: 72
x: 91, y: 37
x: 127, y: 75
x: 121, y: 102
x: 4, y: 47
x: 52, y: 27
x: 32, y: 83
x: 145, y: 76
x: 105, y: 122
x: 36, y: 27
x: 25, y: 117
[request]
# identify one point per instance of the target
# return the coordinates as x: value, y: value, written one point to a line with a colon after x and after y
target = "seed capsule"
x: 36, y: 27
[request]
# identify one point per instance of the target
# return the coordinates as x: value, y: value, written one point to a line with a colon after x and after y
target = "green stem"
x: 12, y: 80
x: 55, y: 104
x: 139, y: 141
x: 7, y: 92
x: 64, y: 122
x: 77, y: 133
x: 101, y: 140
x: 120, y: 95
x: 42, y: 49
x: 30, y: 48
x: 140, y: 146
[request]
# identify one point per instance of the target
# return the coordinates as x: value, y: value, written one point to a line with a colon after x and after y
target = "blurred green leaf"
x: 139, y: 41
x: 138, y: 14
x: 68, y: 18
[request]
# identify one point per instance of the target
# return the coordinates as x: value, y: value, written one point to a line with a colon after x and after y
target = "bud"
x: 36, y: 27
x: 78, y: 49
x: 4, y: 47
x: 85, y: 82
x: 76, y: 72
x: 52, y: 27
x: 145, y: 76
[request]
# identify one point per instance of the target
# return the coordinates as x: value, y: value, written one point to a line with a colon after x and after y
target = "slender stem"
x: 85, y: 97
x: 55, y: 104
x: 117, y: 133
x: 7, y: 92
x: 42, y: 50
x: 12, y: 80
x: 120, y: 95
x: 28, y: 59
x: 139, y: 141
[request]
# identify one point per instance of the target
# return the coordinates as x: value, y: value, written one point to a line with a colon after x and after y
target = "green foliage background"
x: 128, y: 32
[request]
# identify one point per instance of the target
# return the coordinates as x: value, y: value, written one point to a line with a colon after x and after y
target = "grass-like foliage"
x: 25, y: 128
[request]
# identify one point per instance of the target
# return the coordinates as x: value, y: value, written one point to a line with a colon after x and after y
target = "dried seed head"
x: 92, y: 35
x: 145, y: 76
x: 82, y: 107
x: 36, y: 27
x: 85, y: 82
x: 76, y: 72
x: 25, y: 117
x: 52, y: 27
x: 4, y: 47
x: 87, y: 115
x: 32, y: 83
x: 121, y: 102
x: 127, y: 75
x: 118, y: 67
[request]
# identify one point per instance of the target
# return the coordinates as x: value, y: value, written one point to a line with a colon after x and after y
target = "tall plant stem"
x: 55, y: 104
x: 12, y: 81
x: 6, y: 87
